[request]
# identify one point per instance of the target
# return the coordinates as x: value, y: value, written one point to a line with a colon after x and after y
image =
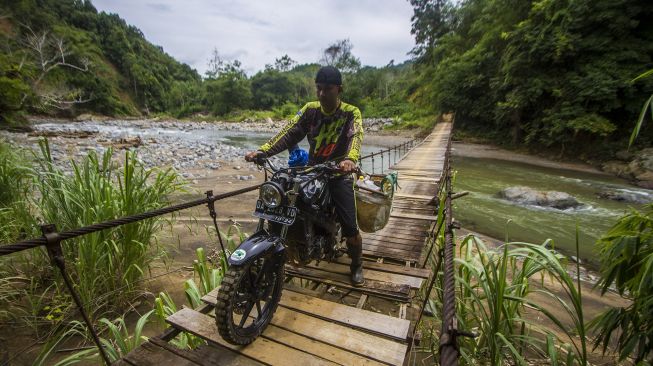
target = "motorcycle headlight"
x: 270, y: 194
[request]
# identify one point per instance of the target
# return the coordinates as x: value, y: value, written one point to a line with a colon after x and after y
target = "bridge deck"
x: 419, y: 175
x: 310, y: 329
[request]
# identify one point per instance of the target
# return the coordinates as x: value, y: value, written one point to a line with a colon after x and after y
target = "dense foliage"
x: 101, y: 64
x: 550, y: 73
x: 626, y: 253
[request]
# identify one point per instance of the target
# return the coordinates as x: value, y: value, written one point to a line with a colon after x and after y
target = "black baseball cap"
x: 328, y: 75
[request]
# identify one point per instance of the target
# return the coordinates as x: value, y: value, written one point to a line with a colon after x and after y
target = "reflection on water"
x: 484, y: 212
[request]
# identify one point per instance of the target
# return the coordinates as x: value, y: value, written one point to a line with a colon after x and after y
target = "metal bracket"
x: 214, y: 215
x: 53, y: 245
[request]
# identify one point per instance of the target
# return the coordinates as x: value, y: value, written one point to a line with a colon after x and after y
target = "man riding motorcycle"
x: 334, y: 130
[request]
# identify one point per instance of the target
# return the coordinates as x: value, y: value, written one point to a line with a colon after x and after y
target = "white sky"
x: 257, y: 31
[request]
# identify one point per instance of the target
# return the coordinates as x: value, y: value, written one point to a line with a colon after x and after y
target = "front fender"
x: 255, y: 246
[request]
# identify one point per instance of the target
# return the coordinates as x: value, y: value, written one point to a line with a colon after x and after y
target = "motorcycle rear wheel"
x: 248, y: 297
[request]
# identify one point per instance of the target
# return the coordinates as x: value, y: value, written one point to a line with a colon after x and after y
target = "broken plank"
x: 367, y: 321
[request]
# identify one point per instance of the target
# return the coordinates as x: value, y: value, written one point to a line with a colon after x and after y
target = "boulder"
x: 624, y: 196
x: 530, y: 196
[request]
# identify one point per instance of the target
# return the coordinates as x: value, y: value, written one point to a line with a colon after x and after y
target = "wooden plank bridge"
x: 309, y: 328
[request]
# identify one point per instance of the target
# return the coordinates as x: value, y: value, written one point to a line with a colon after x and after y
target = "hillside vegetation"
x: 549, y: 74
x: 64, y: 57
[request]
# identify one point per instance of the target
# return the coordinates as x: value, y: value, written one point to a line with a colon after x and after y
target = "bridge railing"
x: 52, y: 239
x: 394, y: 154
x: 441, y: 239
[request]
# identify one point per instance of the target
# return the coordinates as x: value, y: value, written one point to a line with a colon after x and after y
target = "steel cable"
x: 32, y: 243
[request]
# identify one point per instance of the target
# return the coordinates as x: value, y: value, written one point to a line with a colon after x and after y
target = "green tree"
x: 548, y: 73
x: 272, y: 88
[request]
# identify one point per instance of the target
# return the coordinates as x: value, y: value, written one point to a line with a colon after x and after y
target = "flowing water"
x: 484, y: 212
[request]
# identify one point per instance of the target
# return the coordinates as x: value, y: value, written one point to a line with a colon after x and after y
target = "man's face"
x: 328, y: 94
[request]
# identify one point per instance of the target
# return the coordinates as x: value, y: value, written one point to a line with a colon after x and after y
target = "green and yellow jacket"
x: 336, y: 136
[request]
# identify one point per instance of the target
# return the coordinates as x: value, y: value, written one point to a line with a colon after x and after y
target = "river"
x: 484, y: 212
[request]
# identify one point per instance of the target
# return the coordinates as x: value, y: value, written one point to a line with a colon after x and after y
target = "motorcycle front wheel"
x: 248, y: 297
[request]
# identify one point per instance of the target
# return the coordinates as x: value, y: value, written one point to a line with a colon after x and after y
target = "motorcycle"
x: 297, y: 224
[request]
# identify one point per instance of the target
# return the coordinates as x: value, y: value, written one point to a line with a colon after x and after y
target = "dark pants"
x: 342, y: 196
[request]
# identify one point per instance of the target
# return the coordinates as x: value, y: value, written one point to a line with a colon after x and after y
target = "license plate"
x: 283, y: 214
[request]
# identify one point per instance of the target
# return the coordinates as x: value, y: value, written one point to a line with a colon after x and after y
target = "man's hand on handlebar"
x: 255, y: 156
x: 347, y: 166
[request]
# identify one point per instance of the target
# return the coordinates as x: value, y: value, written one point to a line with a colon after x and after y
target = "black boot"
x: 356, y: 266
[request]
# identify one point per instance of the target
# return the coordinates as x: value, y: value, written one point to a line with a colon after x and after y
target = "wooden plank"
x: 408, y: 252
x: 414, y: 196
x: 361, y: 301
x: 394, y: 242
x: 382, y: 289
x: 209, y: 354
x: 421, y: 179
x: 391, y: 253
x: 368, y: 345
x: 320, y: 349
x: 399, y: 238
x: 402, y: 311
x: 424, y: 273
x: 414, y: 216
x: 388, y: 243
x: 419, y: 232
x: 400, y: 279
x: 364, y: 320
x: 263, y: 349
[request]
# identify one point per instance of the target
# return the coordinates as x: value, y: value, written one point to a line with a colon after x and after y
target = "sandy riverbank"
x: 469, y: 150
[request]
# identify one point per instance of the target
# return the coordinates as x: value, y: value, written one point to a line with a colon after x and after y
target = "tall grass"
x: 495, y: 288
x: 503, y: 294
x: 106, y: 266
x: 15, y: 219
x: 626, y: 254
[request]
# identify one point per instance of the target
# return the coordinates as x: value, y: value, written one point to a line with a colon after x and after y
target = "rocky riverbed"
x: 195, y: 149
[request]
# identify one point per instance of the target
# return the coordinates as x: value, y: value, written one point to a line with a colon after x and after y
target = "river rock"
x: 530, y: 196
x: 618, y: 168
x: 623, y: 196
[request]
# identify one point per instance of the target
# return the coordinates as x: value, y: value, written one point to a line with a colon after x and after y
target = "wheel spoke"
x: 250, y: 306
x: 258, y: 308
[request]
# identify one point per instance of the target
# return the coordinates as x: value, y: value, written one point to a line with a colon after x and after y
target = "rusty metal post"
x: 214, y: 216
x: 56, y: 256
x: 389, y: 159
x: 372, y: 163
x: 381, y: 153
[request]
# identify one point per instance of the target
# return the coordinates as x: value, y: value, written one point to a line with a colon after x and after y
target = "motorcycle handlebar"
x: 329, y: 166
